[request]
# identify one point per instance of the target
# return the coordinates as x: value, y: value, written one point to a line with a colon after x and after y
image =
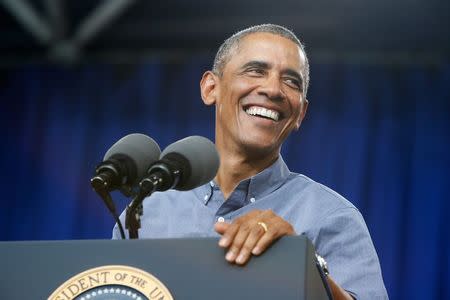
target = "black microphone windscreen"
x: 203, y: 160
x: 139, y: 148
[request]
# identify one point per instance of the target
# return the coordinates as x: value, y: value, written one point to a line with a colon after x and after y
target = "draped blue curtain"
x: 379, y: 135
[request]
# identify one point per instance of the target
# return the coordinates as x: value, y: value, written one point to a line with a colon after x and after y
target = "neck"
x: 235, y: 167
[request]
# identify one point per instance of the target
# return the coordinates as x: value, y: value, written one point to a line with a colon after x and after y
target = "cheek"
x: 296, y: 107
x: 295, y: 101
x: 242, y: 87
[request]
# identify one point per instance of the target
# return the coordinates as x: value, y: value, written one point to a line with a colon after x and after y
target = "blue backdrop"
x: 379, y: 135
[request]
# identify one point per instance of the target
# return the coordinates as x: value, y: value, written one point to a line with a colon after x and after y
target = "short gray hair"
x: 225, y: 51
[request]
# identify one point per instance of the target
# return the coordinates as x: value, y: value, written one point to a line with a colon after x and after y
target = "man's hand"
x: 245, y: 236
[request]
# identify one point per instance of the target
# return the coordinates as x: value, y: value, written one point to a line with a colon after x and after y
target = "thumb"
x: 221, y: 227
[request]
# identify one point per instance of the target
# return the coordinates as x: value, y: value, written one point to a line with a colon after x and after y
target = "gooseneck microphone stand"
x: 101, y: 188
x: 161, y: 177
x: 133, y: 215
x: 147, y: 187
x: 134, y: 210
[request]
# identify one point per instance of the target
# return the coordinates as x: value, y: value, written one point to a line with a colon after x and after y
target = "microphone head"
x: 138, y: 151
x: 199, y: 164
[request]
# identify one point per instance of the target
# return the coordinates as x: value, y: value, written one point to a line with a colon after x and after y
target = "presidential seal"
x: 112, y: 282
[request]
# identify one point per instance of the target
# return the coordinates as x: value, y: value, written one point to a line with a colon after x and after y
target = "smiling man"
x: 258, y: 86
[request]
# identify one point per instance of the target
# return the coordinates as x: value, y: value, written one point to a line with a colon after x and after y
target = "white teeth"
x: 264, y: 112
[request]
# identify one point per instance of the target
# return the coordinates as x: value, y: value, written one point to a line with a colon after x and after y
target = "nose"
x: 272, y: 88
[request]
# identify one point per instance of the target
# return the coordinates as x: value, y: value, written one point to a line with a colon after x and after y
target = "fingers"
x: 263, y: 243
x: 228, y: 235
x: 235, y: 248
x: 239, y: 224
x: 278, y: 228
x: 245, y: 236
x: 255, y: 234
x: 221, y: 227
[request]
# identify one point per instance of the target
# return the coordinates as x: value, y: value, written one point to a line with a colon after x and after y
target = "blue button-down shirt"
x: 333, y: 224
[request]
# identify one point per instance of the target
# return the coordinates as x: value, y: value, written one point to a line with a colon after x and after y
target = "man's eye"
x: 293, y: 83
x: 255, y: 71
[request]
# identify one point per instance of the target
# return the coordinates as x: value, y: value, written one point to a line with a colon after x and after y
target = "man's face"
x: 259, y: 98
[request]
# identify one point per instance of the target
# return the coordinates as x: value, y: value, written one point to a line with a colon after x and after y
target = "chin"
x: 260, y: 145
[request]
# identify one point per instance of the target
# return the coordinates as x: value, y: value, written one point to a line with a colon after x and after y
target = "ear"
x: 208, y: 87
x: 303, y: 108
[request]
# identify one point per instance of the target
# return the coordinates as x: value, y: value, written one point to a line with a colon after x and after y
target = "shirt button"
x: 211, y: 183
x: 221, y: 220
x: 252, y: 200
x: 206, y: 197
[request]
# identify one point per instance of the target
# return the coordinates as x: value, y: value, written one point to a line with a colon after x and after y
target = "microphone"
x: 125, y: 163
x: 183, y: 165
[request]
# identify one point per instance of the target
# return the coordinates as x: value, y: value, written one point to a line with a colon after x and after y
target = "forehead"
x: 268, y: 47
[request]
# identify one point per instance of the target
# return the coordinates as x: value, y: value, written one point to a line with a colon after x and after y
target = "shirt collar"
x: 268, y: 179
x: 258, y: 186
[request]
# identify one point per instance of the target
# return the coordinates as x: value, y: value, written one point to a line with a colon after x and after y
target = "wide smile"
x: 262, y: 112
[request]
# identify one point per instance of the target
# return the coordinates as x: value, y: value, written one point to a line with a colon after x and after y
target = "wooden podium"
x: 193, y: 268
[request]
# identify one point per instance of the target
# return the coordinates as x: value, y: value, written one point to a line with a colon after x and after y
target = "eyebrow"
x: 256, y: 63
x: 264, y: 65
